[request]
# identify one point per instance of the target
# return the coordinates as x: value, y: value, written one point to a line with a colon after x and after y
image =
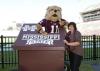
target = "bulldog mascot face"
x: 53, y: 16
x: 53, y: 13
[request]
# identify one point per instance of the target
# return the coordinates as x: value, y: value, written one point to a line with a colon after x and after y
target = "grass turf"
x: 83, y: 67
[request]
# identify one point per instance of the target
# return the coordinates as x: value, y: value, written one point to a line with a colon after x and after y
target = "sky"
x: 32, y: 11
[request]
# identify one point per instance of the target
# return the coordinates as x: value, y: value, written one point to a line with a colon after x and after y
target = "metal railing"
x: 8, y: 56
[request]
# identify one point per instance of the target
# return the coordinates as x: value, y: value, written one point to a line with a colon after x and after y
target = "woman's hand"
x: 66, y: 42
x: 71, y: 43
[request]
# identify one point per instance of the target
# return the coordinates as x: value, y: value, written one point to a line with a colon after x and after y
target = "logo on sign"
x: 40, y: 39
x: 29, y: 28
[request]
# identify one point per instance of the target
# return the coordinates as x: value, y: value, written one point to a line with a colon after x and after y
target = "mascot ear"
x: 48, y: 8
x: 60, y: 9
x: 47, y: 13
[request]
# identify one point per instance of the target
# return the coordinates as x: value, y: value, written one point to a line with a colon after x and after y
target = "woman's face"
x: 71, y: 28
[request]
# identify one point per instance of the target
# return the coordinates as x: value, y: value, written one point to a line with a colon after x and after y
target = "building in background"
x: 12, y: 30
x: 91, y: 13
x: 91, y: 20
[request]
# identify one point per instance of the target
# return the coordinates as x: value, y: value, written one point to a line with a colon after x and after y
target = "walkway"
x: 96, y: 67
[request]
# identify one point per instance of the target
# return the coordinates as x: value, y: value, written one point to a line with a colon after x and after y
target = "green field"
x: 86, y: 67
x: 83, y: 67
x: 8, y: 69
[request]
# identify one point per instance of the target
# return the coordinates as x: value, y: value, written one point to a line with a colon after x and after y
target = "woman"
x: 74, y: 46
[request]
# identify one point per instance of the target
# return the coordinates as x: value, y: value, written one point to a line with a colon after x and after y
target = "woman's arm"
x: 72, y: 43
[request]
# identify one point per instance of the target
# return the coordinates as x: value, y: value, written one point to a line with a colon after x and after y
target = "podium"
x: 37, y: 52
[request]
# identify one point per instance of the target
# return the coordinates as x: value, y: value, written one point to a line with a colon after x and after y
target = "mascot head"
x: 53, y: 13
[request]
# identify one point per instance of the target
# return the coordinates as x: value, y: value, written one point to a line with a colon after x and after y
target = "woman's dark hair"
x: 73, y: 24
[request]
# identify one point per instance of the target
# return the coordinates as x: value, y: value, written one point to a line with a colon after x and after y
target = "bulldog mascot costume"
x: 53, y: 17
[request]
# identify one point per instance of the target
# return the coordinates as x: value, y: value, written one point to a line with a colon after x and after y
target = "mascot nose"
x: 55, y: 10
